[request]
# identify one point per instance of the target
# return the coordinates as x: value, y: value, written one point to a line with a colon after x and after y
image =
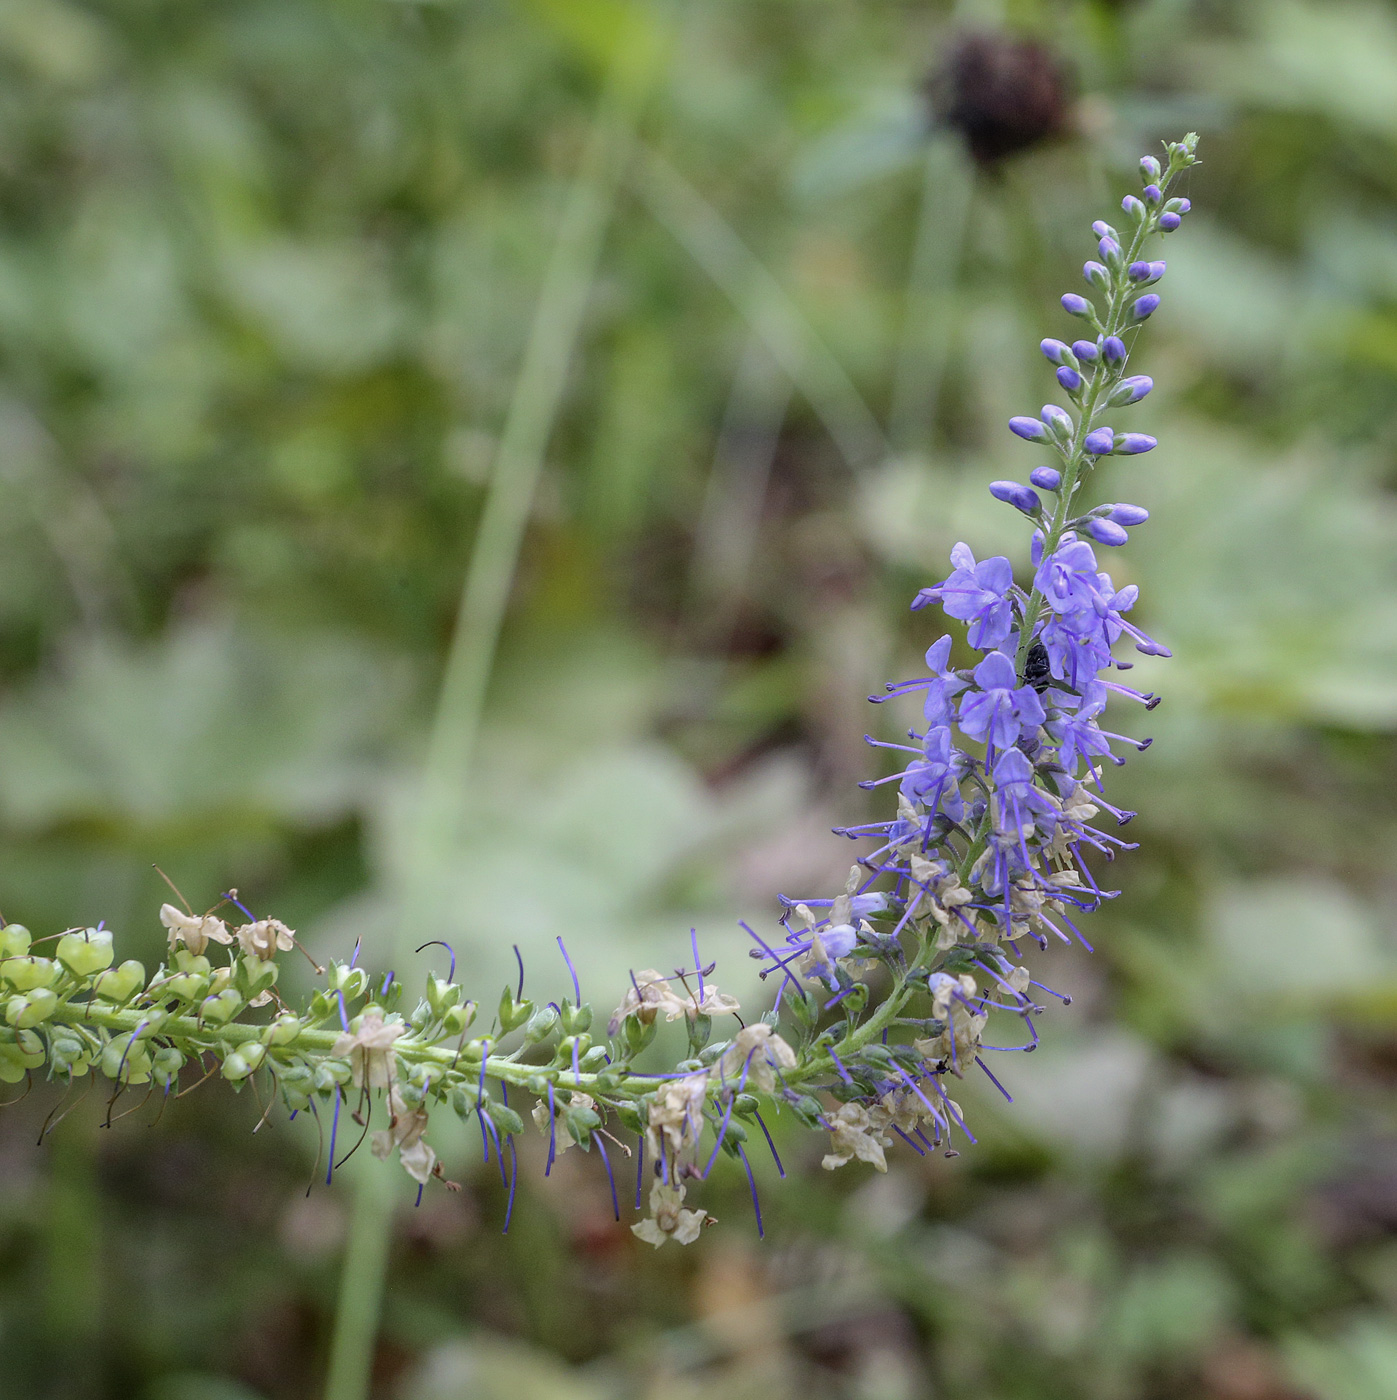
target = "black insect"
x: 1037, y: 671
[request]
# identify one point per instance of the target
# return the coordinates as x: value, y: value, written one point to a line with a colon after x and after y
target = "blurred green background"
x: 268, y: 270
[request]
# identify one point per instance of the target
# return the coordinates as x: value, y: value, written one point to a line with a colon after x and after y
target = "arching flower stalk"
x: 885, y: 992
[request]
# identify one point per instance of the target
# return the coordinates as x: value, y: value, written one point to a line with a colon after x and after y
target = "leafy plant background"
x: 266, y: 275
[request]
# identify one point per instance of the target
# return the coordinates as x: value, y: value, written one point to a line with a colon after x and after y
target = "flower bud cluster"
x: 989, y: 852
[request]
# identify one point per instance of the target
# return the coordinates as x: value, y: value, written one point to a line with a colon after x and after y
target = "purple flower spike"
x: 1069, y: 379
x: 1131, y: 444
x: 1152, y: 192
x: 1020, y: 497
x: 1169, y: 222
x: 1086, y: 351
x: 1130, y: 390
x: 1096, y: 274
x: 1056, y: 351
x: 1145, y: 307
x: 1107, y: 532
x: 1128, y: 515
x: 1030, y: 429
x: 1099, y: 442
x: 1134, y: 209
x: 1047, y: 478
x: 1074, y: 305
x: 1113, y: 348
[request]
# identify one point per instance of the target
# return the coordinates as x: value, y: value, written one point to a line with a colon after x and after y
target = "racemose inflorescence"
x: 885, y: 993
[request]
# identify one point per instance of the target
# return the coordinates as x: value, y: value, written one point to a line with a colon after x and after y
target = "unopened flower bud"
x: 1129, y: 390
x: 1149, y: 169
x: 1113, y: 348
x: 1104, y: 230
x: 1178, y: 206
x: 1074, y: 305
x: 1058, y: 353
x: 1020, y: 497
x: 1058, y: 419
x: 1030, y: 429
x: 576, y: 1019
x: 1086, y: 351
x: 1099, y: 442
x: 1069, y: 379
x: 1110, y: 253
x: 14, y: 941
x: 1144, y: 307
x: 1169, y: 222
x: 1097, y: 275
x: 1152, y: 194
x: 1047, y: 478
x: 1129, y: 444
x: 1134, y: 209
x: 1106, y: 532
x: 1124, y: 514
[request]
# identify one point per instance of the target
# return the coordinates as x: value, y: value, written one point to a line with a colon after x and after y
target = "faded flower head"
x: 668, y: 1219
x: 194, y: 931
x: 370, y: 1049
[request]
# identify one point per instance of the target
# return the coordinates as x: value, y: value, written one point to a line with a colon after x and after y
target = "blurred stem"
x: 766, y: 306
x: 489, y: 579
x: 72, y: 1280
x: 925, y: 343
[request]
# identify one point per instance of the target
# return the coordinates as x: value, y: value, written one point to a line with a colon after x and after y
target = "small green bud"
x: 637, y: 1034
x: 235, y: 1067
x: 126, y: 1063
x: 461, y: 1104
x: 185, y: 986
x: 700, y: 1028
x: 630, y: 1117
x: 581, y: 1123
x: 541, y: 1025
x: 285, y: 1029
x: 473, y: 1051
x: 504, y: 1118
x: 457, y: 1019
x: 576, y: 1019
x: 197, y: 963
x: 805, y: 1009
x: 220, y: 1008
x: 564, y: 1055
x: 24, y: 974
x: 855, y: 1001
x: 120, y: 984
x: 329, y: 1073
x: 352, y: 981
x: 441, y: 994
x: 745, y: 1103
x: 411, y: 1094
x: 593, y: 1060
x: 87, y: 953
x: 513, y: 1013
x: 14, y: 941
x: 712, y: 1052
x: 252, y: 976
x: 808, y: 1110
x: 166, y: 1065
x: 33, y: 1008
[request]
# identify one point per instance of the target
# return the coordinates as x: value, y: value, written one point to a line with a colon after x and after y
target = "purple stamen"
x: 233, y: 899
x: 344, y: 1014
x: 610, y: 1176
x: 418, y: 1201
x: 993, y: 1080
x: 334, y: 1130
x: 552, y: 1130
x: 908, y: 1141
x: 780, y: 1170
x: 839, y: 1065
x: 772, y: 955
x: 698, y: 961
x: 576, y: 989
x: 752, y: 1185
x: 358, y: 943
x: 513, y: 1182
x: 441, y: 943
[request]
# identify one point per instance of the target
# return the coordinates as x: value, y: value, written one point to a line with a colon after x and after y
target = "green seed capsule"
x: 33, y: 1008
x: 87, y: 953
x: 24, y: 974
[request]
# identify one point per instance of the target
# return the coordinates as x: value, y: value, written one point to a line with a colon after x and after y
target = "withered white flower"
x: 676, y: 1117
x: 648, y: 995
x: 854, y: 1134
x: 668, y: 1219
x: 964, y: 1025
x: 266, y: 938
x: 370, y: 1049
x: 761, y: 1052
x: 540, y: 1116
x: 404, y: 1131
x: 194, y: 931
